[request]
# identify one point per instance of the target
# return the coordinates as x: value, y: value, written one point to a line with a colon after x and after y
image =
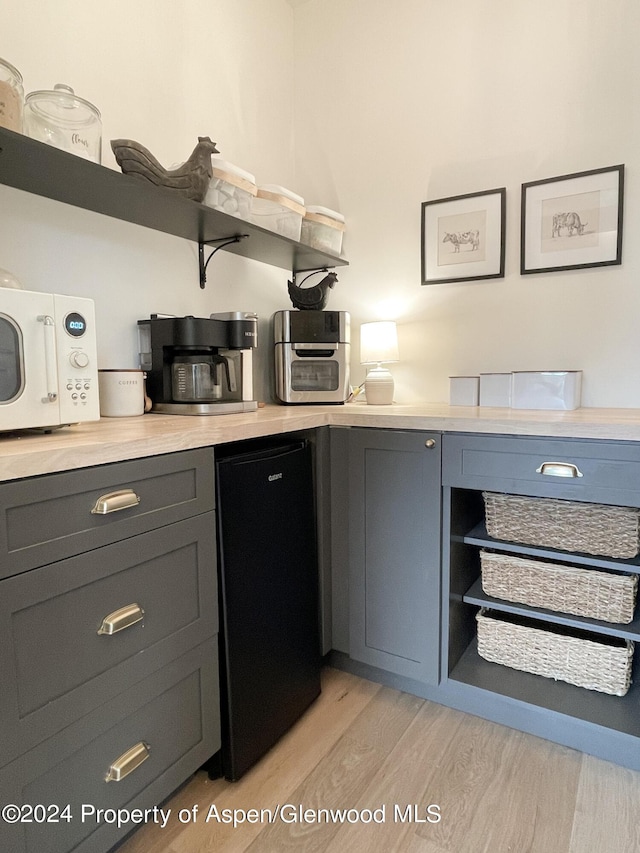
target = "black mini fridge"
x: 270, y: 655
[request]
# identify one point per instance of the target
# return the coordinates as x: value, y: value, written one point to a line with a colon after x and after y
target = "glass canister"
x: 11, y: 97
x: 62, y: 119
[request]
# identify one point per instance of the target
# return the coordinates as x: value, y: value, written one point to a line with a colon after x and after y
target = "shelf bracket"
x: 309, y: 273
x: 223, y: 241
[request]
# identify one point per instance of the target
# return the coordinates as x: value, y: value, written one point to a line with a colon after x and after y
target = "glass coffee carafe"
x: 202, y: 378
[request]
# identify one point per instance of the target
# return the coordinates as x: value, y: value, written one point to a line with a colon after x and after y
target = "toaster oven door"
x: 312, y: 373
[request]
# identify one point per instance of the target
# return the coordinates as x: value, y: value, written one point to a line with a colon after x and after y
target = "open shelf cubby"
x: 467, y: 537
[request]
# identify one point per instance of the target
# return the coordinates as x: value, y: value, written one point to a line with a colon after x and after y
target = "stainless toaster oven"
x: 312, y: 350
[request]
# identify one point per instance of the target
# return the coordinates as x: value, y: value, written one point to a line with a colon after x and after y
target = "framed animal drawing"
x: 463, y: 237
x: 572, y: 222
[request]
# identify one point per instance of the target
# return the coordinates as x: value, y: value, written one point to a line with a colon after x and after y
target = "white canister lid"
x: 7, y: 279
x: 325, y: 216
x: 325, y: 211
x: 10, y: 71
x: 234, y: 175
x: 283, y: 196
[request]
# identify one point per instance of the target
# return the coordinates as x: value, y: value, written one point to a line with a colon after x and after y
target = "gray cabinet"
x: 394, y: 551
x: 587, y: 472
x: 112, y: 647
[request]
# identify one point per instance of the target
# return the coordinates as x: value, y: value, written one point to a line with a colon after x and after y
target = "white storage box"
x: 278, y: 209
x: 231, y: 189
x: 495, y: 389
x: 323, y: 229
x: 546, y: 389
x: 463, y: 390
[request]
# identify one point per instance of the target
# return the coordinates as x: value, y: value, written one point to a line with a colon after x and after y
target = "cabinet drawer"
x: 48, y: 518
x: 590, y: 471
x: 174, y: 714
x: 55, y: 666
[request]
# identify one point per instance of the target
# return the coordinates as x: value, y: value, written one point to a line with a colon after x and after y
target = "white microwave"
x: 48, y: 360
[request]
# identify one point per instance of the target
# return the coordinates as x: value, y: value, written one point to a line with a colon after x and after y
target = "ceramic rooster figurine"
x: 311, y: 298
x: 191, y: 179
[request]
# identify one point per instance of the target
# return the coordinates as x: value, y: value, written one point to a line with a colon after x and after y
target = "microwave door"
x: 11, y: 361
x: 29, y: 381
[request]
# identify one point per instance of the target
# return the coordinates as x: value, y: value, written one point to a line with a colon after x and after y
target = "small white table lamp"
x: 378, y: 345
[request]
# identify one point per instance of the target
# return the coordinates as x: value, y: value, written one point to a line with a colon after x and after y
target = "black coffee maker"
x: 197, y: 365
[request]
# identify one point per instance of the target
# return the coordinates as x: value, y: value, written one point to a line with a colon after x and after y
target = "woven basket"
x: 611, y: 531
x: 577, y: 657
x: 583, y: 592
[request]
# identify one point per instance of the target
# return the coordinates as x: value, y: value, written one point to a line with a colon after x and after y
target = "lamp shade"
x: 378, y: 342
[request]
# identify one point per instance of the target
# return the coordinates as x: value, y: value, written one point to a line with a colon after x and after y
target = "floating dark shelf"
x: 479, y: 536
x: 40, y: 169
x: 630, y: 631
x: 612, y: 712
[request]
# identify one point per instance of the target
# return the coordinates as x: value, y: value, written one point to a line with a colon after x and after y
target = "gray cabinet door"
x: 394, y: 551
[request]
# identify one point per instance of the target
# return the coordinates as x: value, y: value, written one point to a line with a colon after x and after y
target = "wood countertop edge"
x: 29, y: 454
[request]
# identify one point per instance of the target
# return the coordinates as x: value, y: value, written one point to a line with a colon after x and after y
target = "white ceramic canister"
x: 62, y: 119
x: 464, y: 390
x: 11, y: 97
x: 278, y: 209
x: 121, y: 393
x: 322, y: 229
x: 231, y: 189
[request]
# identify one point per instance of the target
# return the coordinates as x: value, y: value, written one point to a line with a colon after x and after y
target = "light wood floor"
x: 366, y: 747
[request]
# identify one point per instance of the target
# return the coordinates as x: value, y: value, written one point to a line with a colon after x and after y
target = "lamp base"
x: 378, y: 387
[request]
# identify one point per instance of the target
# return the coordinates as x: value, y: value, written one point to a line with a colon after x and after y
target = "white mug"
x: 121, y: 393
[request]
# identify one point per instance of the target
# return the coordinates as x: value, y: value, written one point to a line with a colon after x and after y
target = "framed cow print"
x: 572, y: 222
x: 463, y: 237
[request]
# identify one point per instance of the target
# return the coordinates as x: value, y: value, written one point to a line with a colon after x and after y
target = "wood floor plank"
x: 501, y: 790
x: 342, y: 699
x: 402, y: 786
x: 338, y: 780
x: 607, y: 815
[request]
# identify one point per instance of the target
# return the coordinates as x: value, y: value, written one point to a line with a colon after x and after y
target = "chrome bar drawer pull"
x: 128, y: 762
x: 559, y: 469
x: 120, y: 619
x: 115, y: 501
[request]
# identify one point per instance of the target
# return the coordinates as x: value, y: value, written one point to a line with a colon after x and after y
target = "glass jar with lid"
x: 62, y: 119
x: 11, y: 97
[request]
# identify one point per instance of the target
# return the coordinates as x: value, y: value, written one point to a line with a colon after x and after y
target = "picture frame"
x: 572, y: 221
x: 463, y: 237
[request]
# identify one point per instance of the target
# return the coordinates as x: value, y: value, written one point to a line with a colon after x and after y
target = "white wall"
x: 392, y: 104
x: 398, y: 103
x: 161, y: 73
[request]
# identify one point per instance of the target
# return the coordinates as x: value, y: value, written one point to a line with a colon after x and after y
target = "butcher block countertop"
x: 27, y: 454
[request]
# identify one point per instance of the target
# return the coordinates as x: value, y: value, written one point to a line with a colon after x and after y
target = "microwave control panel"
x: 77, y: 358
